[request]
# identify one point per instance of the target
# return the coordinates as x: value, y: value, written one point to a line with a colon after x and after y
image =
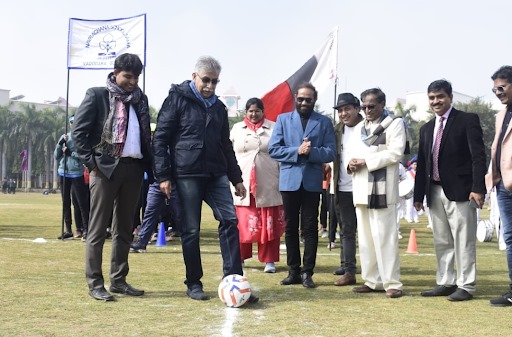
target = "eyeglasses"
x: 369, y: 107
x: 304, y: 99
x: 500, y: 88
x: 207, y: 80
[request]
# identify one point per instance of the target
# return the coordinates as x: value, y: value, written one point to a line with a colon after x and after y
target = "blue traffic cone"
x: 160, y: 240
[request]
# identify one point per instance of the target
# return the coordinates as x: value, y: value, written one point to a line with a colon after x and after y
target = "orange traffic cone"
x: 412, y: 247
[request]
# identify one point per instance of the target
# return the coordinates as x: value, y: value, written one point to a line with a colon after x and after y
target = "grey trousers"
x: 454, y: 227
x: 116, y: 199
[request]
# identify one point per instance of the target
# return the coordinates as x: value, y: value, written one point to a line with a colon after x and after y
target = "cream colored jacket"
x: 506, y: 156
x: 386, y: 155
x: 252, y: 148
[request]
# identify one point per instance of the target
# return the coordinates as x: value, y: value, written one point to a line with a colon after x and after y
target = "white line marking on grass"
x: 18, y: 239
x: 231, y: 315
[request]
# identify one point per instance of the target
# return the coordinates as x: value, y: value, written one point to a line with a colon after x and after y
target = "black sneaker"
x: 66, y: 236
x: 503, y: 301
x: 196, y: 292
x: 137, y: 248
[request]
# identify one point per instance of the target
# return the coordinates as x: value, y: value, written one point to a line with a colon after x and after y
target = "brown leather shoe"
x: 365, y: 289
x: 346, y: 280
x: 394, y: 293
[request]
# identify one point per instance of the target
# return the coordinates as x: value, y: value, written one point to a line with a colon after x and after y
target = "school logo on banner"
x: 95, y: 44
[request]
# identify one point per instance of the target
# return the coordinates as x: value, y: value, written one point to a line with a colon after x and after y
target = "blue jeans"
x: 216, y: 193
x: 504, y: 199
x: 156, y: 208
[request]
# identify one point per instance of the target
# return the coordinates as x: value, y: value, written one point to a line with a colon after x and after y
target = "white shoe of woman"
x: 270, y: 267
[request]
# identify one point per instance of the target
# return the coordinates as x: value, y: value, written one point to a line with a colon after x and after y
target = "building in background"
x: 17, y: 102
x: 230, y: 98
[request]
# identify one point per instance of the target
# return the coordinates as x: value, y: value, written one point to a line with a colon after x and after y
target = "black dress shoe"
x: 292, y: 278
x: 253, y: 299
x: 339, y: 271
x: 126, y: 289
x: 307, y: 281
x: 101, y: 294
x: 502, y: 301
x: 460, y: 295
x: 439, y: 291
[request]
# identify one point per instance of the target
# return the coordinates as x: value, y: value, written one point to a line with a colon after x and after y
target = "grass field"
x: 44, y: 291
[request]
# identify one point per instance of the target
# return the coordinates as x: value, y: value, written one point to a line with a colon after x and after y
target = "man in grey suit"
x: 302, y: 141
x: 112, y: 138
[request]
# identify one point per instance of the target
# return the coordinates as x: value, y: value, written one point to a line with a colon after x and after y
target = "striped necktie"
x: 435, y: 151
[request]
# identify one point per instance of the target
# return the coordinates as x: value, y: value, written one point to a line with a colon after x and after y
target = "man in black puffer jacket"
x: 192, y: 148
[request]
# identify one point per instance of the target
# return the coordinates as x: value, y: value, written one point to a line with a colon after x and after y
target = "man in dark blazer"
x: 302, y: 141
x: 453, y: 182
x: 112, y: 138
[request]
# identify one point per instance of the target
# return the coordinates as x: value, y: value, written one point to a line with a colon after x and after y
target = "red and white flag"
x: 95, y: 44
x: 320, y: 70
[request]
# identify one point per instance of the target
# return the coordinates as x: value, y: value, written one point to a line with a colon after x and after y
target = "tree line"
x: 38, y: 132
x: 477, y: 105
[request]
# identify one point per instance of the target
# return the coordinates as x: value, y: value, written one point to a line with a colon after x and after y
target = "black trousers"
x: 302, y: 205
x: 77, y: 188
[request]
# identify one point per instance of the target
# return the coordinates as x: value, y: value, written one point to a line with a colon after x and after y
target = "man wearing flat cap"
x: 349, y: 108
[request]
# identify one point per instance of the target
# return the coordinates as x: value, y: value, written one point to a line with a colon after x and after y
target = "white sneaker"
x: 338, y: 235
x: 270, y: 267
x: 325, y: 234
x: 331, y: 245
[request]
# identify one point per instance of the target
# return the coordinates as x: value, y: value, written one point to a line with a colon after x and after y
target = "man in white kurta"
x: 378, y: 234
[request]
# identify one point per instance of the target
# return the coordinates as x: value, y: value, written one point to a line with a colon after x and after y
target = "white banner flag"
x: 327, y: 56
x: 95, y: 44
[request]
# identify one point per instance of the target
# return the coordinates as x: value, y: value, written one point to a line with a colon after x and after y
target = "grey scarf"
x: 377, y: 178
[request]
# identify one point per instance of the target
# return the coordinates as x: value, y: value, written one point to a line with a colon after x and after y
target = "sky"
x: 399, y: 46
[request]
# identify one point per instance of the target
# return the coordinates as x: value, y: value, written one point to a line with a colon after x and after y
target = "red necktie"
x: 435, y: 151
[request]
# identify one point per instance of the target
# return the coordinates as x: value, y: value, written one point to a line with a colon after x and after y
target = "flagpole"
x: 144, y: 81
x: 336, y: 78
x: 63, y: 187
x: 335, y: 101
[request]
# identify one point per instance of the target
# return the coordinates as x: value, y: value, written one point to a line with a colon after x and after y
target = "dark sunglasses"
x: 207, y: 80
x: 369, y: 107
x: 500, y: 88
x: 304, y: 99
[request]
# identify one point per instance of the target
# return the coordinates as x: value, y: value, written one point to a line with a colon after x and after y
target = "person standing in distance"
x: 112, y: 137
x: 302, y: 141
x: 72, y: 185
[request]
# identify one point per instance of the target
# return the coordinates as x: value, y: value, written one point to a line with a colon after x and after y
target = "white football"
x: 234, y: 290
